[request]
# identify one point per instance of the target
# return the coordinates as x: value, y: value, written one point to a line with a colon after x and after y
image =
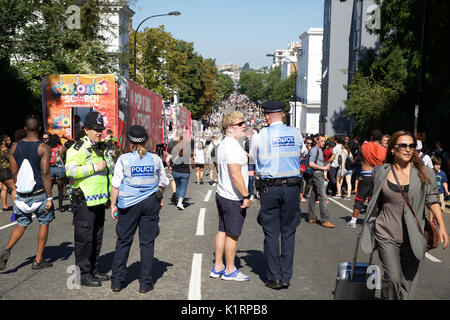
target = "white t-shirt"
x: 337, y: 151
x: 199, y: 156
x: 230, y: 152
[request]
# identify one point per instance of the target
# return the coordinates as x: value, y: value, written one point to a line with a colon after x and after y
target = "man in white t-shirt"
x: 232, y: 197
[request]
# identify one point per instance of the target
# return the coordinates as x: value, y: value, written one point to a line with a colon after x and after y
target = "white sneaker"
x: 235, y: 275
x: 252, y: 197
x: 351, y: 224
x: 180, y: 206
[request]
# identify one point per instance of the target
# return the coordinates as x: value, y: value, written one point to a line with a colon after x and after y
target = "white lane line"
x: 427, y: 255
x: 208, y: 195
x: 201, y: 223
x: 340, y: 204
x: 195, y: 282
x: 12, y: 224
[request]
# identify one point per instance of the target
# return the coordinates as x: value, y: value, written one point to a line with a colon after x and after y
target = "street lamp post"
x: 173, y: 13
x: 295, y: 88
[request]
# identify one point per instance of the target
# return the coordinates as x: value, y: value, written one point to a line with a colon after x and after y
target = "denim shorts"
x: 57, y: 172
x: 231, y: 216
x: 24, y: 219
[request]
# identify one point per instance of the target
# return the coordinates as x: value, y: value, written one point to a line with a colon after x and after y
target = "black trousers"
x: 144, y: 215
x: 89, y: 223
x: 279, y: 217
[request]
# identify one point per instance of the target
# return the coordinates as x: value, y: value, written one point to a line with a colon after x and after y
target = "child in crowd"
x: 441, y: 179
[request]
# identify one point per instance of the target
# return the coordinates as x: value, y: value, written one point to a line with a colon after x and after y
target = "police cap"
x: 137, y: 134
x: 94, y: 120
x: 272, y: 106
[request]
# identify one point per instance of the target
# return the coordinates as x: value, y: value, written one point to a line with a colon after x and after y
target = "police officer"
x: 88, y: 164
x: 136, y: 198
x: 276, y: 153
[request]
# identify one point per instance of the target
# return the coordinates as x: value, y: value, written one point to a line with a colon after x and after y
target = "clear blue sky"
x: 233, y: 31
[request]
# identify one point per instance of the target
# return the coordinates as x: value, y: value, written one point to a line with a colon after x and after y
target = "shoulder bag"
x: 430, y: 232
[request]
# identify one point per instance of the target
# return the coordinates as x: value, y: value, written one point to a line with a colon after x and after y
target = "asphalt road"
x: 184, y: 257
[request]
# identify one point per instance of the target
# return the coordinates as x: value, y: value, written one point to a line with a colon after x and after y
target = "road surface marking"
x: 427, y: 255
x: 208, y: 195
x: 340, y: 204
x: 201, y: 223
x: 195, y: 282
x: 11, y: 224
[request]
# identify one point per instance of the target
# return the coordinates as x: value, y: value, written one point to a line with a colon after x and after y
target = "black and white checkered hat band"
x: 137, y: 140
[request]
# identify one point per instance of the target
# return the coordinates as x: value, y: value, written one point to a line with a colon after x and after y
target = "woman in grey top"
x: 391, y: 226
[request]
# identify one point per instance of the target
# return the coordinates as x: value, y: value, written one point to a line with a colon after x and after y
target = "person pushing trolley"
x: 276, y: 153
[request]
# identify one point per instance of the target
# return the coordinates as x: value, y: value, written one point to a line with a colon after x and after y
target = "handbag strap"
x: 406, y: 199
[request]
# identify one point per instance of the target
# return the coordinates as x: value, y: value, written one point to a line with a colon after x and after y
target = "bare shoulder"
x: 43, y: 148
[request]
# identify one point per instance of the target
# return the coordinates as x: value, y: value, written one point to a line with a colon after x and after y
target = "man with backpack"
x: 34, y: 191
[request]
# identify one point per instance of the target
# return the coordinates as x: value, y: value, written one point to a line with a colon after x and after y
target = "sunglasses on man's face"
x: 403, y: 146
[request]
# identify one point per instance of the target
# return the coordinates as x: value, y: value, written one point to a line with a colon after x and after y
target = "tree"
x: 35, y: 41
x: 394, y: 71
x: 225, y: 86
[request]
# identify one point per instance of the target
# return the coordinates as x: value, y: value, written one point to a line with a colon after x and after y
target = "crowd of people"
x: 252, y: 156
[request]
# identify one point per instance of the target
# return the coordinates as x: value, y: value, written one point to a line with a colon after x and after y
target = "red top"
x: 327, y: 154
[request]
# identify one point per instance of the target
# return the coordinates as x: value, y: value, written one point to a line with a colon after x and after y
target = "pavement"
x: 184, y: 253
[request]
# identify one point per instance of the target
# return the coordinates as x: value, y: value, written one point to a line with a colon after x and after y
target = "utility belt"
x: 77, y: 196
x: 290, y: 181
x: 33, y: 194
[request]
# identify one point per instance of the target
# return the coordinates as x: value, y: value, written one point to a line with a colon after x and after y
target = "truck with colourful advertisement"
x: 68, y: 98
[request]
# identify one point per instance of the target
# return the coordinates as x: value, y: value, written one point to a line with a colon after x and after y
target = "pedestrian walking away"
x: 89, y: 164
x: 57, y: 166
x: 5, y: 172
x: 232, y: 197
x: 180, y: 159
x: 395, y: 222
x: 136, y: 198
x: 30, y: 169
x: 372, y: 154
x: 316, y: 162
x: 276, y: 152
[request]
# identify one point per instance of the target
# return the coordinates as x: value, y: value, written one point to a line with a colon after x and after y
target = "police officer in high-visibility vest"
x: 88, y: 165
x: 276, y: 154
x: 136, y: 198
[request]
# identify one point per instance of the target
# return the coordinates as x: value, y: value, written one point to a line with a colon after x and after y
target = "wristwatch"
x: 246, y: 197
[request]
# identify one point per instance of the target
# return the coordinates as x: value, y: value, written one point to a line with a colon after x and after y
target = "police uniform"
x: 138, y: 181
x: 89, y: 194
x: 276, y: 154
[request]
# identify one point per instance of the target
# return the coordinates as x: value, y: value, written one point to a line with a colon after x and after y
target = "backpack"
x: 55, y: 155
x: 305, y: 170
x: 25, y: 178
x: 349, y: 164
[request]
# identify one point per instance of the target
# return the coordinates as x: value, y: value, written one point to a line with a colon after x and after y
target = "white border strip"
x: 340, y: 204
x: 208, y: 195
x: 201, y: 223
x: 195, y: 282
x: 429, y: 256
x: 12, y: 224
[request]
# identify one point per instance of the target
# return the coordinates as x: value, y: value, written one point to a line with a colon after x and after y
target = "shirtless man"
x: 372, y: 154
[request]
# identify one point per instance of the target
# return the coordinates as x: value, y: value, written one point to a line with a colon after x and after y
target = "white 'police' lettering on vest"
x: 142, y: 171
x: 288, y: 141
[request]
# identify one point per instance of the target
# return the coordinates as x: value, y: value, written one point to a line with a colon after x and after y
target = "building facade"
x: 117, y: 17
x: 309, y: 81
x: 345, y: 38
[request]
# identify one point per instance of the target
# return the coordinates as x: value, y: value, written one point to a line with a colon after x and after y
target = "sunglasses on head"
x: 403, y: 146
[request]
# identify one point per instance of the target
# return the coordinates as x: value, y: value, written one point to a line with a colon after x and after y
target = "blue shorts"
x: 231, y: 216
x: 57, y: 172
x: 24, y: 219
